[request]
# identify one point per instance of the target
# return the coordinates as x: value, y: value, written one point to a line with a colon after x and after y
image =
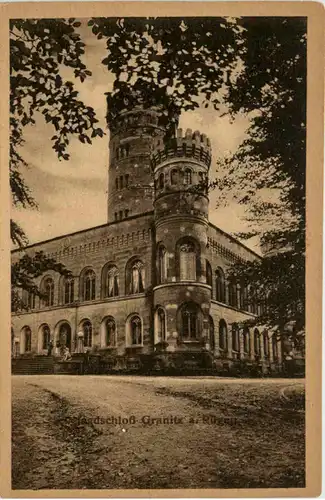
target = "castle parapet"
x: 190, y: 145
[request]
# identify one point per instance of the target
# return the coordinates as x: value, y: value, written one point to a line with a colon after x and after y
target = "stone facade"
x: 154, y: 278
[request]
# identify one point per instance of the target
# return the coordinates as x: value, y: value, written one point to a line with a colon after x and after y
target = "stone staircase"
x: 32, y: 366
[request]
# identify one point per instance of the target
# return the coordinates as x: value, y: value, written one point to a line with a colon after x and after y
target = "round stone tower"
x: 130, y: 185
x: 181, y: 293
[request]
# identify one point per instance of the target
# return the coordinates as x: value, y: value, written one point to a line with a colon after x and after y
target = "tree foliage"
x: 175, y: 63
x: 24, y: 272
x: 267, y: 172
x: 255, y: 66
x: 39, y: 49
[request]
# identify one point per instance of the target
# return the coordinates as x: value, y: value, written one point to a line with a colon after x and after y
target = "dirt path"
x: 69, y: 432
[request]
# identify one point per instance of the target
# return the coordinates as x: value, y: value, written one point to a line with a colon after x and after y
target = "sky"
x: 64, y: 190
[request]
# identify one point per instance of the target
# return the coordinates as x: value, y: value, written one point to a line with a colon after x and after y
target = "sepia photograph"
x: 157, y: 169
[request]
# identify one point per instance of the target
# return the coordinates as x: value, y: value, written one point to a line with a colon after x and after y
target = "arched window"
x: 254, y: 305
x: 187, y: 261
x: 89, y: 285
x: 240, y: 296
x: 208, y: 273
x: 244, y: 298
x: 135, y: 331
x: 161, y: 181
x: 220, y: 286
x: 48, y: 290
x: 88, y: 333
x: 266, y: 344
x: 232, y: 293
x: 211, y: 334
x: 190, y: 321
x: 246, y: 340
x: 112, y: 282
x: 223, y: 338
x: 65, y: 336
x: 275, y: 347
x: 46, y: 336
x: 257, y: 343
x: 29, y: 299
x: 110, y: 330
x: 174, y: 177
x: 137, y: 277
x: 188, y: 176
x: 235, y: 337
x: 161, y: 325
x: 68, y: 290
x: 116, y: 183
x: 27, y: 339
x: 162, y: 264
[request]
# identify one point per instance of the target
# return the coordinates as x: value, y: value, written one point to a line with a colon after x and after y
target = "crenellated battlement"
x: 189, y: 145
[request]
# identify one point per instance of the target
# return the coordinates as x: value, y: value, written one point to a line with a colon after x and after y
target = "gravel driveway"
x: 156, y: 432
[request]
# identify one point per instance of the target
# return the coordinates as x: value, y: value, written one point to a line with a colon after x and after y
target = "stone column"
x: 216, y: 339
x: 251, y: 344
x: 229, y: 337
x: 262, y: 347
x: 279, y: 349
x: 271, y: 349
x: 241, y: 343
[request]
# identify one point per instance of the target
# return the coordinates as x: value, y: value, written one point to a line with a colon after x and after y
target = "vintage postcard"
x: 161, y: 191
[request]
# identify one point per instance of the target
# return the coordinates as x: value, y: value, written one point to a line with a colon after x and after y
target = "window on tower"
x: 189, y: 321
x: 162, y: 264
x: 187, y: 259
x: 161, y: 181
x: 187, y: 262
x: 174, y: 177
x: 188, y: 176
x: 160, y: 325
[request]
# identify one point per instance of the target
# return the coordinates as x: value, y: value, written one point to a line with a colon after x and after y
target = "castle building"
x: 153, y: 279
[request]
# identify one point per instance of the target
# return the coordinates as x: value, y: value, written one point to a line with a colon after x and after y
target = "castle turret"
x: 130, y: 189
x: 180, y: 169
